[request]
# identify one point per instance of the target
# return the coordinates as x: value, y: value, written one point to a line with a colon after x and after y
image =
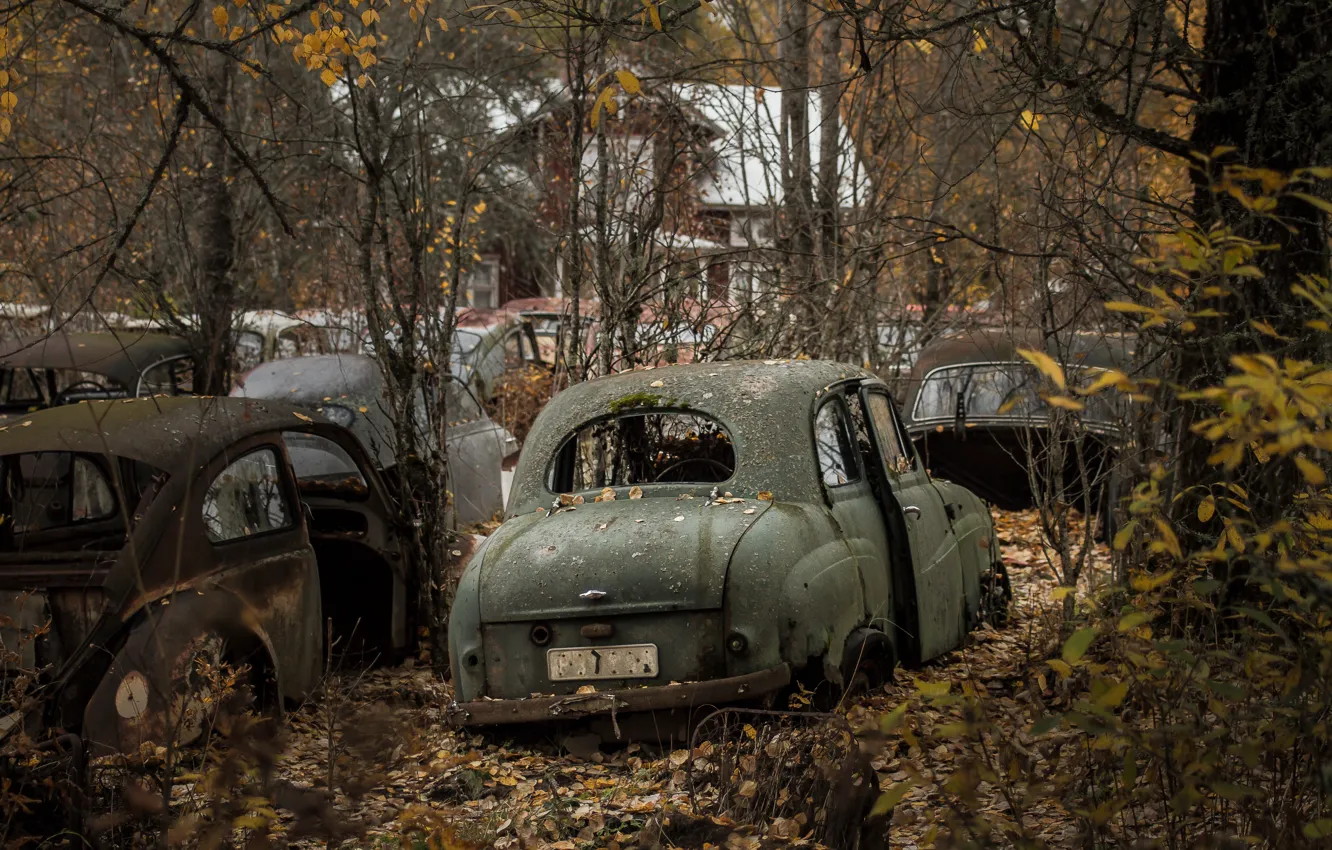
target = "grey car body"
x: 784, y: 529
x: 349, y: 389
x: 58, y: 368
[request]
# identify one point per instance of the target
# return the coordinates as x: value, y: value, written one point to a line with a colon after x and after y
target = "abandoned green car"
x: 715, y: 533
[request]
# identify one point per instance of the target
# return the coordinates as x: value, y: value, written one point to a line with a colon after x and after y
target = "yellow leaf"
x: 1059, y: 593
x: 933, y: 690
x: 979, y: 45
x: 4, y: 78
x: 1127, y: 307
x: 653, y: 14
x: 1063, y: 402
x: 328, y: 77
x: 5, y: 127
x: 1320, y: 203
x: 443, y: 24
x: 1030, y: 120
x: 8, y: 101
x: 1045, y: 364
x: 1206, y: 509
x: 1060, y: 667
x: 220, y: 17
x: 1144, y: 582
x: 1311, y: 471
x: 1168, y: 540
x: 628, y: 82
x: 368, y: 17
x: 603, y: 101
x: 1106, y: 378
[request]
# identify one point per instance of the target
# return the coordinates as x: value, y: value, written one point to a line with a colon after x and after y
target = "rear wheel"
x: 867, y: 662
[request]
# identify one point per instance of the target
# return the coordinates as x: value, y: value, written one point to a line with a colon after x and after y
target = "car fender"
x: 142, y: 695
x: 792, y: 590
x: 973, y: 529
x: 467, y: 660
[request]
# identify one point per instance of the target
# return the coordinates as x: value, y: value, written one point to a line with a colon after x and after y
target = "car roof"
x: 176, y: 434
x: 756, y: 400
x: 121, y: 356
x: 1000, y: 345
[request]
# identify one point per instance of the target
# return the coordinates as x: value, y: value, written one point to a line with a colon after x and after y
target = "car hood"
x: 642, y: 555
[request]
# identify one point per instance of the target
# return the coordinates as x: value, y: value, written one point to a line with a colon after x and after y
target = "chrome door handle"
x: 912, y: 511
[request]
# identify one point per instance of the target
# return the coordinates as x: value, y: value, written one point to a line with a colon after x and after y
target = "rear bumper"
x: 661, y: 698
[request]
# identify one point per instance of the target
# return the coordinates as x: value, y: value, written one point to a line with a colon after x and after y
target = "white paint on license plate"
x: 631, y: 661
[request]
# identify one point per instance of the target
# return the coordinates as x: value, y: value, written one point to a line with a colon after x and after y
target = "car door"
x: 851, y: 501
x: 935, y: 582
x: 255, y: 537
x: 477, y: 446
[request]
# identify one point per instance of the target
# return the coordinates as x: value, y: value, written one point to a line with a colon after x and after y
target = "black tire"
x: 867, y: 662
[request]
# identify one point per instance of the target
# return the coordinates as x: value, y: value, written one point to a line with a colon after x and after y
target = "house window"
x: 481, y: 284
x: 751, y: 231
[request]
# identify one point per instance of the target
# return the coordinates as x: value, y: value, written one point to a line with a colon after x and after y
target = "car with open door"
x: 62, y: 368
x: 145, y: 539
x: 691, y: 535
x: 349, y: 389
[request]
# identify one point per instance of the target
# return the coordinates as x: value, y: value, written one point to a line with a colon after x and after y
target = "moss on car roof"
x: 174, y: 434
x: 766, y: 406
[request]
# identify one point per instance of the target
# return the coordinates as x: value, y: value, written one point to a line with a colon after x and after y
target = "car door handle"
x: 912, y: 511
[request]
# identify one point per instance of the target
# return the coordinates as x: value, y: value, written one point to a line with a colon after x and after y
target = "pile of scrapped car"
x: 675, y: 538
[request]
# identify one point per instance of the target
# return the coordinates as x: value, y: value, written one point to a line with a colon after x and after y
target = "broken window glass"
x: 645, y: 448
x: 246, y: 499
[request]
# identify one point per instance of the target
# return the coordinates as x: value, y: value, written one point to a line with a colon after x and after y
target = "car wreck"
x: 62, y: 368
x: 146, y: 535
x: 974, y: 412
x: 349, y: 390
x: 710, y: 533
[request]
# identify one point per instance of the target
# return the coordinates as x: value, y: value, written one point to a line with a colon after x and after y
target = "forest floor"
x: 402, y: 778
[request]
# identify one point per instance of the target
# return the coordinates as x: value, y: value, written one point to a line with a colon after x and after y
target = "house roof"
x: 748, y: 123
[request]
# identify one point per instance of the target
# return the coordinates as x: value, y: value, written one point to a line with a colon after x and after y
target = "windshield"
x: 995, y: 390
x: 465, y: 342
x: 644, y: 448
x: 649, y: 334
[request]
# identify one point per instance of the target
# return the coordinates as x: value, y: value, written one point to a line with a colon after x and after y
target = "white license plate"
x: 631, y: 661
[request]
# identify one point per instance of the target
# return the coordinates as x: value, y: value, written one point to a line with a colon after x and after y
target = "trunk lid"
x: 645, y: 555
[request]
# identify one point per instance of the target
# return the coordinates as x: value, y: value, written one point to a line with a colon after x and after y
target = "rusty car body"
x: 145, y: 534
x: 489, y: 342
x: 349, y: 390
x: 706, y: 533
x: 972, y: 408
x: 550, y: 318
x: 60, y: 368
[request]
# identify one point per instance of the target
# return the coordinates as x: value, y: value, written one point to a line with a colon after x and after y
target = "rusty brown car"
x: 143, y: 536
x: 62, y: 368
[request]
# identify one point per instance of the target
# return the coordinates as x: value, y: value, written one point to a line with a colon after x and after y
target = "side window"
x: 513, y: 350
x: 837, y: 464
x: 897, y: 455
x: 246, y: 499
x: 25, y: 388
x: 316, y: 459
x: 169, y: 377
x: 92, y: 494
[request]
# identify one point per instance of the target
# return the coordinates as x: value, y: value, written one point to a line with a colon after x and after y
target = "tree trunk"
x: 216, y: 298
x: 1264, y: 82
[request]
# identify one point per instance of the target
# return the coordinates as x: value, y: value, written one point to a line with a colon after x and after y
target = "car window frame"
x: 904, y: 441
x: 287, y: 484
x: 848, y: 446
x: 168, y: 362
x: 548, y: 478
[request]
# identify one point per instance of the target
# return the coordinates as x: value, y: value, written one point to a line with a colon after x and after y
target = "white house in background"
x: 725, y: 187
